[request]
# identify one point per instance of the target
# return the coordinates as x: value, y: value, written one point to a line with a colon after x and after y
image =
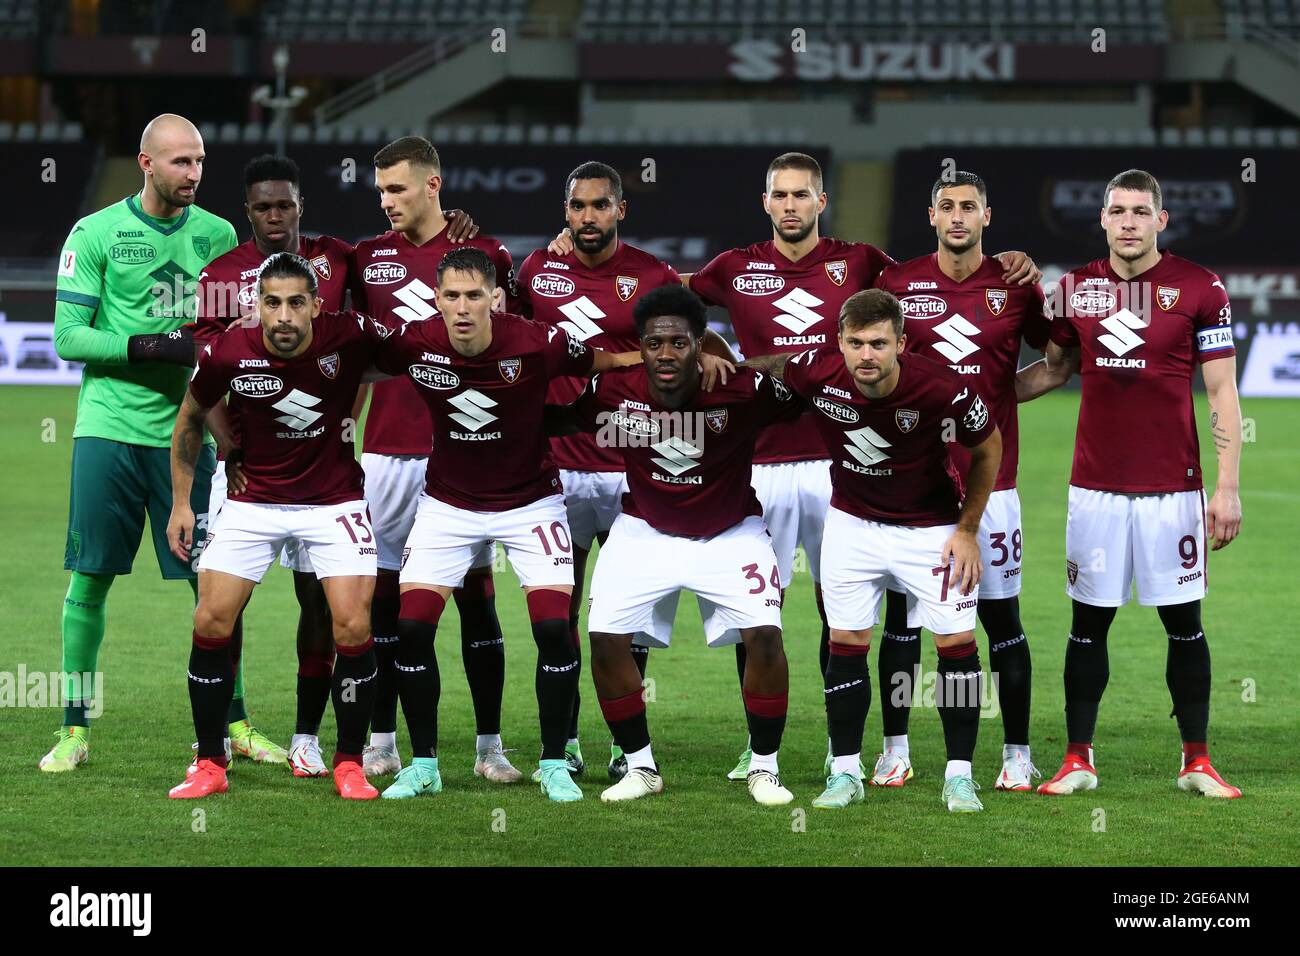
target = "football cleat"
x: 841, y: 790
x: 208, y: 778
x: 418, y: 778
x: 573, y: 760
x: 247, y: 741
x: 1075, y: 774
x: 617, y: 763
x: 741, y: 770
x: 638, y: 782
x: 893, y: 769
x: 71, y: 749
x: 306, y: 761
x: 556, y: 783
x: 493, y: 766
x: 830, y: 762
x: 1016, y: 772
x: 351, y: 783
x: 959, y: 795
x: 378, y: 762
x: 194, y: 764
x: 1199, y: 777
x: 765, y: 787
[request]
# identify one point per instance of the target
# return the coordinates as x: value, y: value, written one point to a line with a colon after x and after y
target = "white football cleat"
x: 765, y: 787
x: 1075, y: 775
x: 1017, y: 770
x: 1199, y: 777
x: 493, y: 766
x: 379, y: 762
x: 639, y: 782
x: 893, y: 769
x: 305, y: 759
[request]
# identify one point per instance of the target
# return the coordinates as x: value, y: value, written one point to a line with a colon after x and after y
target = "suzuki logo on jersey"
x: 922, y: 306
x: 1121, y: 338
x: 955, y: 345
x: 581, y: 317
x: 383, y: 273
x: 256, y: 386
x: 329, y: 365
x: 679, y: 456
x: 749, y: 284
x: 798, y: 316
x: 996, y: 300
x: 837, y: 271
x: 865, y: 445
x: 473, y: 414
x: 625, y: 286
x: 553, y: 286
x: 297, y: 408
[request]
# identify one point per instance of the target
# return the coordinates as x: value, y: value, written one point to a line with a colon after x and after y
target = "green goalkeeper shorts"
x: 113, y: 486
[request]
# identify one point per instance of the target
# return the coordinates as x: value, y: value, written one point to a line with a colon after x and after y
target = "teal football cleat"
x: 556, y: 783
x: 841, y: 790
x: 420, y: 777
x: 959, y: 795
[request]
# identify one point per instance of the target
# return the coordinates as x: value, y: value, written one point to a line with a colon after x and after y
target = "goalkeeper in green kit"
x: 126, y: 283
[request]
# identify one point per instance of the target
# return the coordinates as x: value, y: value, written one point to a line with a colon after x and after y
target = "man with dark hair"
x: 961, y: 312
x: 1134, y: 325
x: 690, y: 520
x: 393, y: 278
x: 483, y: 377
x: 292, y: 381
x: 896, y: 517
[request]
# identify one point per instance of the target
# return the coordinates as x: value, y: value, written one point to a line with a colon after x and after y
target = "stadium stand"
x: 381, y: 19
x: 37, y: 220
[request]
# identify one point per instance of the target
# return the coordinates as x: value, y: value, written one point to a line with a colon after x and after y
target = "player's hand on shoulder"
x: 180, y: 531
x: 963, y: 550
x: 1224, y: 516
x: 460, y: 227
x: 714, y: 371
x: 562, y: 244
x: 1018, y: 268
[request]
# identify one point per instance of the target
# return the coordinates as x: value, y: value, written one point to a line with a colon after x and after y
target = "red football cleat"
x: 351, y: 783
x: 204, y: 777
x: 1075, y: 774
x: 1199, y: 777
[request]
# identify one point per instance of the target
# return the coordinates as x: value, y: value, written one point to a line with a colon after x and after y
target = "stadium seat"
x: 372, y: 134
x: 539, y: 134
x: 253, y: 133
x: 1218, y: 136
x: 1171, y: 136
x: 228, y: 133
x: 300, y: 133
x: 562, y: 135
x: 324, y: 134
x: 513, y: 134
x: 345, y: 133
x: 6, y: 131
x: 71, y: 133
x: 208, y: 131
x: 1194, y: 136
x: 1289, y: 137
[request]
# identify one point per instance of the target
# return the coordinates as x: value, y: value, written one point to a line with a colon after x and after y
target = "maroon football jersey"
x: 487, y: 411
x: 891, y: 461
x: 228, y: 284
x: 975, y: 327
x: 393, y: 280
x: 688, y: 470
x: 594, y: 306
x: 778, y: 306
x: 292, y: 411
x: 1139, y: 339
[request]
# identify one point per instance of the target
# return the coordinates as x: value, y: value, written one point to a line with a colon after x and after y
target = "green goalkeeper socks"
x: 83, y: 632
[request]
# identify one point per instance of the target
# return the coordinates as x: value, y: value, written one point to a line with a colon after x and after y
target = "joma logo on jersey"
x: 553, y: 286
x: 383, y: 273
x: 432, y: 377
x: 749, y: 284
x: 434, y: 357
x: 256, y: 386
x: 836, y: 412
x: 376, y: 253
x: 555, y: 265
x: 1121, y: 338
x: 832, y: 390
x: 254, y: 363
x: 297, y: 407
x: 766, y: 266
x: 922, y: 306
x: 914, y: 286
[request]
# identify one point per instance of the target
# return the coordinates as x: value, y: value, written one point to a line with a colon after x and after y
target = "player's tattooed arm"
x: 773, y: 365
x: 187, y: 442
x: 1018, y: 268
x: 1051, y: 371
x: 460, y: 226
x: 963, y: 546
x: 1224, y: 511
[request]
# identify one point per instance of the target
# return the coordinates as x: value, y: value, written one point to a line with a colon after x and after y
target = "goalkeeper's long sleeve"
x: 77, y: 341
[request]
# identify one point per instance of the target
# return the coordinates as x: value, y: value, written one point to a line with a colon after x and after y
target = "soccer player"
x: 393, y: 279
x: 484, y: 377
x: 689, y: 520
x: 960, y: 311
x: 292, y: 382
x: 125, y: 286
x: 1134, y: 325
x: 784, y: 294
x: 589, y: 292
x: 896, y: 518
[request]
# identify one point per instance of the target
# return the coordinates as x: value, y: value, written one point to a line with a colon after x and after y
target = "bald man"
x: 126, y: 283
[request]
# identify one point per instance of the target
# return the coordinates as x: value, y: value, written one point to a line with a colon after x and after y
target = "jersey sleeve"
x: 565, y: 355
x: 392, y: 347
x: 216, y: 306
x: 884, y: 278
x: 356, y: 287
x: 506, y: 280
x: 1037, y: 327
x: 797, y: 376
x: 878, y: 261
x: 590, y: 406
x: 710, y: 283
x: 1213, y: 324
x: 776, y: 403
x: 967, y: 408
x: 1062, y: 330
x: 226, y: 239
x: 211, y: 378
x: 79, y: 289
x: 523, y: 291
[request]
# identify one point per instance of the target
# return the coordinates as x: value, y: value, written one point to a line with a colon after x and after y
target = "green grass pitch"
x: 114, y: 810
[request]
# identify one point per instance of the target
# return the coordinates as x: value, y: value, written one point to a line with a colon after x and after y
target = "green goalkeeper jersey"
x: 123, y: 273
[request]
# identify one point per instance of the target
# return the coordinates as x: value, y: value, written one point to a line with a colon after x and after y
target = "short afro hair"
x: 671, y: 299
x: 267, y: 168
